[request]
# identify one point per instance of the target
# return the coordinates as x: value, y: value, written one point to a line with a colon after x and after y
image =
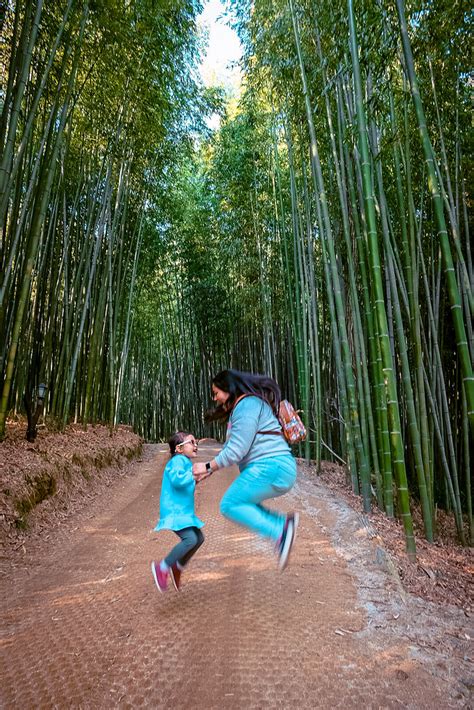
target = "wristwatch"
x: 208, y: 467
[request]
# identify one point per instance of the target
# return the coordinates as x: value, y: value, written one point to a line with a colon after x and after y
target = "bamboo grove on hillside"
x: 320, y: 235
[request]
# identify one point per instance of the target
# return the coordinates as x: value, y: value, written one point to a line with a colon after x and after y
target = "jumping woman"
x: 249, y: 404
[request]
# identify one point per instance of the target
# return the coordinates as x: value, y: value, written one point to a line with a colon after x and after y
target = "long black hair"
x: 237, y: 383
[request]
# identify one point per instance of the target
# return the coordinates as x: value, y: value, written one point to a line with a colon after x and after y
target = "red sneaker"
x: 160, y: 577
x: 175, y: 575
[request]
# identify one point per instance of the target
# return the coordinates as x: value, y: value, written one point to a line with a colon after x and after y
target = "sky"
x: 224, y: 48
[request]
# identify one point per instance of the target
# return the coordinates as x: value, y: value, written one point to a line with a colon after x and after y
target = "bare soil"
x: 345, y: 626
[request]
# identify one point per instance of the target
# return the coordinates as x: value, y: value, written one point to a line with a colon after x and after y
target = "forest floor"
x: 350, y: 623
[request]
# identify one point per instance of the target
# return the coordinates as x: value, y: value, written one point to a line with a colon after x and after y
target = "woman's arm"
x: 204, y: 470
x: 244, y: 426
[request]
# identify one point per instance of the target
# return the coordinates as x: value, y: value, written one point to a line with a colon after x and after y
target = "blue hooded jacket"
x: 177, y: 496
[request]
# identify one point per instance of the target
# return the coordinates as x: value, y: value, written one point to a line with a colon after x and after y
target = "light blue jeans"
x: 258, y: 481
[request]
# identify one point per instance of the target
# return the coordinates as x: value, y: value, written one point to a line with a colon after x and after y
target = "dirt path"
x: 84, y: 626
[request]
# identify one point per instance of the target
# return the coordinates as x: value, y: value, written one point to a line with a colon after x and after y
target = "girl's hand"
x: 199, y: 472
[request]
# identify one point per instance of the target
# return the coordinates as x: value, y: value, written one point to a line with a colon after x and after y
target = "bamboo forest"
x: 320, y: 234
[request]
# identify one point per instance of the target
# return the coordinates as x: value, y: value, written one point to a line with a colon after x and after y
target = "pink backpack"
x: 293, y: 428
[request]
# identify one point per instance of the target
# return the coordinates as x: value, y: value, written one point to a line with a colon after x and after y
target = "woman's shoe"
x: 287, y: 539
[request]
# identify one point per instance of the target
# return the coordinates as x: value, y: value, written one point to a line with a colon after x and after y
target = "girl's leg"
x: 259, y: 481
x: 191, y: 540
x: 200, y: 539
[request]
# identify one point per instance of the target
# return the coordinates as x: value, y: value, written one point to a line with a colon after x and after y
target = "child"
x: 177, y: 511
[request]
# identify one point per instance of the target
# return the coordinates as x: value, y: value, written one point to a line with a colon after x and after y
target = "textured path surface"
x: 85, y: 627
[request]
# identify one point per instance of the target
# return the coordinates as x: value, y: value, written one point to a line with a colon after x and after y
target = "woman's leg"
x: 191, y: 540
x: 259, y: 481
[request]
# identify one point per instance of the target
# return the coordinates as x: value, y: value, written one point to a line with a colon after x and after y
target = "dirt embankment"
x: 43, y: 482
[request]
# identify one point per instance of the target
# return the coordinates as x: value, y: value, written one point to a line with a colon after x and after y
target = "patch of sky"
x: 220, y: 64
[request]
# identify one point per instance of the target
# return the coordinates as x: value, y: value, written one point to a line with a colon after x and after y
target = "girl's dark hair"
x: 237, y: 383
x: 177, y: 438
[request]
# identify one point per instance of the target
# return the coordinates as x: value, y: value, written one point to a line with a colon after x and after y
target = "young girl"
x: 177, y: 511
x: 249, y: 404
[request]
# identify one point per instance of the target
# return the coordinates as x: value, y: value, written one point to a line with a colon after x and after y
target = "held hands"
x: 200, y: 472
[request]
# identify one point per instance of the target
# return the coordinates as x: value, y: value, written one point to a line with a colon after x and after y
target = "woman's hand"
x: 200, y: 472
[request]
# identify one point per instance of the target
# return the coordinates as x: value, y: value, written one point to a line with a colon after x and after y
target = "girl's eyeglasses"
x: 189, y: 441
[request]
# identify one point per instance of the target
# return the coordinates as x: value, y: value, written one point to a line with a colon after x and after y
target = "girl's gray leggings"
x: 191, y: 540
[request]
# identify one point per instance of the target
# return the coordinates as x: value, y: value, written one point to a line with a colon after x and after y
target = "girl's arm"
x: 180, y: 471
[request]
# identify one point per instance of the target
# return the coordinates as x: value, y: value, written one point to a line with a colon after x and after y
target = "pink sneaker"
x: 160, y: 577
x: 175, y: 576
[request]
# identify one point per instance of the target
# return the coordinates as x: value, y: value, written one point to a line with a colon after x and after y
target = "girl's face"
x: 188, y: 447
x: 219, y: 396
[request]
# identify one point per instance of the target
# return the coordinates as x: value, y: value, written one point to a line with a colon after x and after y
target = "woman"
x: 249, y: 403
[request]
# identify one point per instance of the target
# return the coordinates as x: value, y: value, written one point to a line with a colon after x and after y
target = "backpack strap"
x: 242, y: 396
x: 264, y: 401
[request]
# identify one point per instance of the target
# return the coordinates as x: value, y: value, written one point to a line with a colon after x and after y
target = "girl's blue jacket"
x: 177, y: 496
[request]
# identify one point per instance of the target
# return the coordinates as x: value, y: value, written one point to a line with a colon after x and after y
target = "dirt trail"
x: 84, y: 626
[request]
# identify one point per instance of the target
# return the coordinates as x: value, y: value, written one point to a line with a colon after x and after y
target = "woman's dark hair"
x: 237, y: 383
x: 177, y: 438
